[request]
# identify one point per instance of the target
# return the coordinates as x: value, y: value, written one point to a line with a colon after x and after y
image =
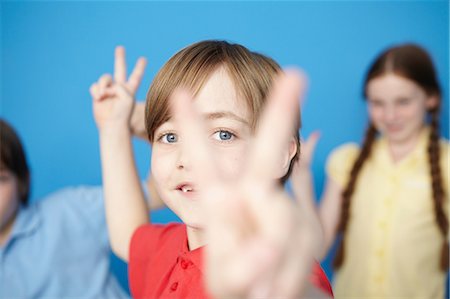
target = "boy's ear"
x: 287, y: 158
x: 432, y: 102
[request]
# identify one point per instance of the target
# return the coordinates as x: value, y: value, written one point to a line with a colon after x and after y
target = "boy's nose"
x: 182, y: 162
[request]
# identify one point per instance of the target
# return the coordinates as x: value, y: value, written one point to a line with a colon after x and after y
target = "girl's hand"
x: 113, y: 98
x: 308, y: 149
x: 302, y: 186
x: 259, y: 242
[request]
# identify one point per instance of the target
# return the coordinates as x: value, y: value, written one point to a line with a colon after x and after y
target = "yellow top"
x: 393, y: 243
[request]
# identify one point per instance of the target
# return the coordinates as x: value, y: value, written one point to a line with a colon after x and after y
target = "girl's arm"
x: 303, y: 188
x: 325, y: 219
x: 329, y: 214
x: 113, y: 101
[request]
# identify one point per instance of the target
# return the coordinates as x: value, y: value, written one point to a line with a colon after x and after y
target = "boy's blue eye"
x: 223, y: 135
x: 169, y: 138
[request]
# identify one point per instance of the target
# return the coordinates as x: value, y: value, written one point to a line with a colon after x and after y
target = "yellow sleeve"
x: 340, y: 162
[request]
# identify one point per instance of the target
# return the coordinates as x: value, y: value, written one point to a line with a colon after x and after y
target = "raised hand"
x: 302, y: 185
x: 259, y: 243
x: 302, y: 168
x: 113, y: 102
x: 113, y: 98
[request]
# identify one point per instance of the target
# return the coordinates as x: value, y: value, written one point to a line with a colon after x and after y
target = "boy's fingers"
x: 108, y: 92
x: 239, y: 268
x: 122, y: 92
x: 297, y: 263
x: 104, y: 81
x: 136, y: 76
x: 276, y: 126
x: 93, y: 90
x: 120, y: 67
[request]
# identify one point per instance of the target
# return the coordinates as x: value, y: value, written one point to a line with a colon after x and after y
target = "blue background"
x: 52, y: 51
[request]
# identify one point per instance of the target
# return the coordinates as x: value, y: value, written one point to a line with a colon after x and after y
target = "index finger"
x: 193, y: 132
x: 276, y: 126
x: 120, y: 67
x: 136, y: 75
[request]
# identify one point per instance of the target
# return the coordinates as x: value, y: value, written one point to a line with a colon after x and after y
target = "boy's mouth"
x: 185, y: 187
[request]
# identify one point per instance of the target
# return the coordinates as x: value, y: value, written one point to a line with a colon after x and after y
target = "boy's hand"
x: 113, y: 102
x: 113, y: 98
x: 259, y: 242
x: 137, y: 121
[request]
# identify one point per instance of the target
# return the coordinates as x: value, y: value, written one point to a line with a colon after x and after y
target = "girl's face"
x: 397, y: 107
x: 229, y: 132
x: 9, y: 198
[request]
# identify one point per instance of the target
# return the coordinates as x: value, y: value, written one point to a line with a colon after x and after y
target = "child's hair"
x: 252, y: 74
x: 13, y: 159
x: 411, y: 62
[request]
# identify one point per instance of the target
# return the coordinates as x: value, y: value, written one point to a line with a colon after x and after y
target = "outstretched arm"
x: 260, y: 245
x: 324, y: 221
x: 329, y: 213
x: 113, y: 101
x: 303, y: 187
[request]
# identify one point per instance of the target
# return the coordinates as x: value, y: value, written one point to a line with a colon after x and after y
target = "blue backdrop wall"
x: 52, y: 51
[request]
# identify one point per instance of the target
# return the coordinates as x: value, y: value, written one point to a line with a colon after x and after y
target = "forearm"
x: 307, y: 203
x: 125, y: 204
x: 329, y: 233
x: 329, y: 213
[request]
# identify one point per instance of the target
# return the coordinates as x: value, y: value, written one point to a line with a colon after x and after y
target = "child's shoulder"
x: 150, y: 237
x: 344, y: 154
x: 340, y: 161
x: 164, y: 231
x: 346, y: 149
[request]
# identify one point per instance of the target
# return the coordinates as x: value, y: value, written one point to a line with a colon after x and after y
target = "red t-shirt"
x: 161, y: 265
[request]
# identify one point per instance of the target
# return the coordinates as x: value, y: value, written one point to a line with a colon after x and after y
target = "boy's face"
x: 229, y: 133
x: 9, y: 199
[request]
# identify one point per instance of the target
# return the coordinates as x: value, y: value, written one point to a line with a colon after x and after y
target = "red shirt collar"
x: 195, y: 256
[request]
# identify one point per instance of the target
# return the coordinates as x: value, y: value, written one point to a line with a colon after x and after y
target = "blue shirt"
x: 59, y: 248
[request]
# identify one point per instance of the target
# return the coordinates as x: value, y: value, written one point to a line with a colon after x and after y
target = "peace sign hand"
x: 258, y: 243
x: 113, y: 98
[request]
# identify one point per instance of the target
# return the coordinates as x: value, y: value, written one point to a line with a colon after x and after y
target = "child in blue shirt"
x: 57, y: 247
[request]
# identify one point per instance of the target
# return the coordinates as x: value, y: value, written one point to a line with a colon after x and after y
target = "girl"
x: 218, y: 162
x: 387, y: 200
